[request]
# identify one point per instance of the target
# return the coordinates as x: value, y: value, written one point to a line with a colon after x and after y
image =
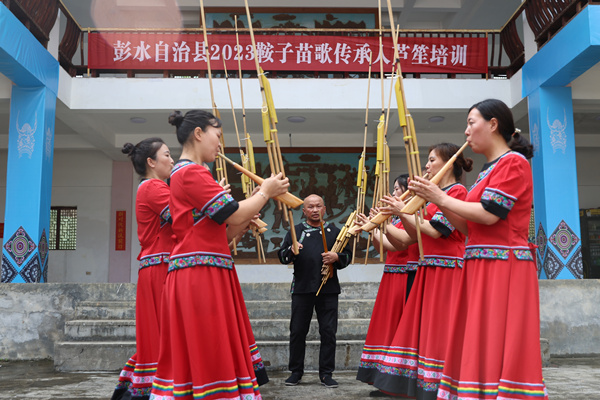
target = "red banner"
x: 173, y: 51
x: 121, y: 231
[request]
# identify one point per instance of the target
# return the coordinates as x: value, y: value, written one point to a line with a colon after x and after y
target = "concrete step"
x: 112, y: 355
x: 264, y: 329
x: 118, y: 292
x: 277, y: 309
x: 281, y: 291
x: 278, y: 329
x: 105, y: 310
x: 257, y: 309
x: 92, y: 356
x: 92, y: 330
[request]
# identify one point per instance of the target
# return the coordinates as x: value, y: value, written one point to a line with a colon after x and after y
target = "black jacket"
x: 307, y: 264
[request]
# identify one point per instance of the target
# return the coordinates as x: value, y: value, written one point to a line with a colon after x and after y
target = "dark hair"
x: 402, y: 181
x: 194, y: 118
x: 445, y: 151
x: 493, y: 108
x: 141, y: 151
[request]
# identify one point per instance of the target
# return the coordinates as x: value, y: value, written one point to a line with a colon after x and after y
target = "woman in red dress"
x: 412, y: 366
x: 207, y: 349
x: 494, y: 345
x: 394, y: 288
x: 152, y: 161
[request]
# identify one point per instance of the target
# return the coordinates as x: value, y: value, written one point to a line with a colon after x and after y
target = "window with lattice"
x: 63, y: 228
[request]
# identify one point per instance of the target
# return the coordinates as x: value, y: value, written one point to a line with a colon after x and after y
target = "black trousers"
x: 326, y: 306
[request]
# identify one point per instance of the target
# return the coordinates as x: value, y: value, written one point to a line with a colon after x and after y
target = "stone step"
x: 278, y: 329
x: 281, y: 291
x: 264, y: 329
x: 92, y: 356
x: 257, y: 309
x: 99, y: 330
x: 94, y: 292
x: 112, y: 355
x: 105, y: 310
x: 278, y: 309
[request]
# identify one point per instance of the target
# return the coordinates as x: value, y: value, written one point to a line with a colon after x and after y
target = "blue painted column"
x: 556, y: 200
x: 28, y: 185
x: 546, y: 76
x: 34, y: 73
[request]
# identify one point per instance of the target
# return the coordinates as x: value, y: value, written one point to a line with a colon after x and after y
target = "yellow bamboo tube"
x: 250, y: 150
x: 266, y: 123
x: 361, y: 164
x: 380, y: 134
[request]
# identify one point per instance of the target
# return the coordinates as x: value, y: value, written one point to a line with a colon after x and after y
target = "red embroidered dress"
x: 154, y: 233
x: 207, y: 350
x: 389, y: 304
x: 494, y: 345
x: 414, y: 362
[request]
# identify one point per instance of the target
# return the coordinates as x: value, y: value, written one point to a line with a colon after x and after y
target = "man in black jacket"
x: 307, y: 280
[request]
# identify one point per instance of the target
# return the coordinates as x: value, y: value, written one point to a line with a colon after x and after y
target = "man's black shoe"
x: 328, y: 381
x: 293, y: 380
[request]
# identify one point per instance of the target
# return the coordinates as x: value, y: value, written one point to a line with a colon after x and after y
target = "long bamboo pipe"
x: 380, y: 217
x: 417, y: 202
x: 376, y: 220
x: 340, y: 243
x: 287, y: 198
x: 325, y: 245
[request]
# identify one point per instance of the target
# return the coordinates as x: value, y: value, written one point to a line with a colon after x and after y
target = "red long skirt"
x: 385, y: 317
x: 208, y: 349
x: 138, y: 373
x: 413, y: 364
x: 494, y: 348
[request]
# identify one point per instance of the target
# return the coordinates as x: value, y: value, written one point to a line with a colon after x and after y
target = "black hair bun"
x: 176, y: 118
x: 128, y: 148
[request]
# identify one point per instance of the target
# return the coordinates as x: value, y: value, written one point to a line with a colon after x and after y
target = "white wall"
x: 588, y: 167
x: 83, y: 179
x: 135, y: 243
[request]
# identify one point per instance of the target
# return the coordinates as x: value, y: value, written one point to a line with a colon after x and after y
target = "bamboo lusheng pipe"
x: 273, y: 148
x: 340, y: 243
x: 238, y: 139
x: 248, y: 161
x: 408, y: 129
x: 376, y: 220
x: 381, y: 137
x: 220, y: 165
x: 411, y: 146
x: 246, y: 187
x: 325, y: 244
x: 417, y: 202
x: 381, y: 217
x: 361, y: 181
x: 287, y: 198
x: 323, y: 234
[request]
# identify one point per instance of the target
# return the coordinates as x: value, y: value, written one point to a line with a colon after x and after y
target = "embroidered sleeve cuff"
x: 497, y: 202
x: 222, y: 208
x: 441, y: 224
